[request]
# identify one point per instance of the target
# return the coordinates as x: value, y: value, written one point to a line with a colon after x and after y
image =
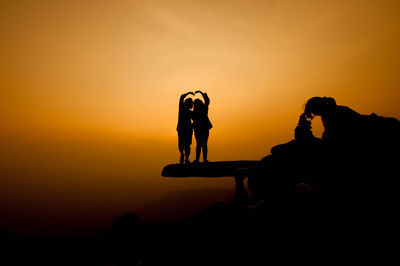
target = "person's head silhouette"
x: 188, y: 103
x: 319, y: 106
x: 198, y: 105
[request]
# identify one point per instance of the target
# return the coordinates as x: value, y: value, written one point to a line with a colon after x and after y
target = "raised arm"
x: 183, y: 96
x: 205, y: 97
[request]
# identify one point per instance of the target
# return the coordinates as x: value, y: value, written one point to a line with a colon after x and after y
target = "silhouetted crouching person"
x: 185, y: 126
x: 202, y: 125
x: 363, y: 149
x: 353, y: 161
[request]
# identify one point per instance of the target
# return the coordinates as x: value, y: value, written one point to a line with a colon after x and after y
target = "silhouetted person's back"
x: 342, y: 125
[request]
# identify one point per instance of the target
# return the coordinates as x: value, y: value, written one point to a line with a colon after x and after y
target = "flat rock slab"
x: 210, y: 169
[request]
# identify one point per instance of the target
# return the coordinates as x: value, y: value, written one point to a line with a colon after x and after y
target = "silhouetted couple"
x: 193, y: 115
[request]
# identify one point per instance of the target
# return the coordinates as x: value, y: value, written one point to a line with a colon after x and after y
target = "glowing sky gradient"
x: 89, y: 91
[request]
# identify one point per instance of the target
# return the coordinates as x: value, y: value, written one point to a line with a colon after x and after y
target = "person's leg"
x: 198, y: 146
x: 205, y: 152
x: 187, y: 153
x: 198, y: 151
x: 205, y: 148
x: 188, y: 142
x: 180, y: 147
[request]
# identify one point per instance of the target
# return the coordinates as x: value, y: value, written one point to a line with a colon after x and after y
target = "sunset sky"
x: 89, y: 92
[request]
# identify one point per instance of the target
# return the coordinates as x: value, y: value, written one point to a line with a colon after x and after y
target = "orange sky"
x: 89, y: 90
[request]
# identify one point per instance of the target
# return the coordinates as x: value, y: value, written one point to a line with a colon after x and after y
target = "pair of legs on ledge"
x: 184, y: 142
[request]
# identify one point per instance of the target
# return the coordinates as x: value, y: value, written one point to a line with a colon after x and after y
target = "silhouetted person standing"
x: 185, y: 126
x: 201, y: 125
